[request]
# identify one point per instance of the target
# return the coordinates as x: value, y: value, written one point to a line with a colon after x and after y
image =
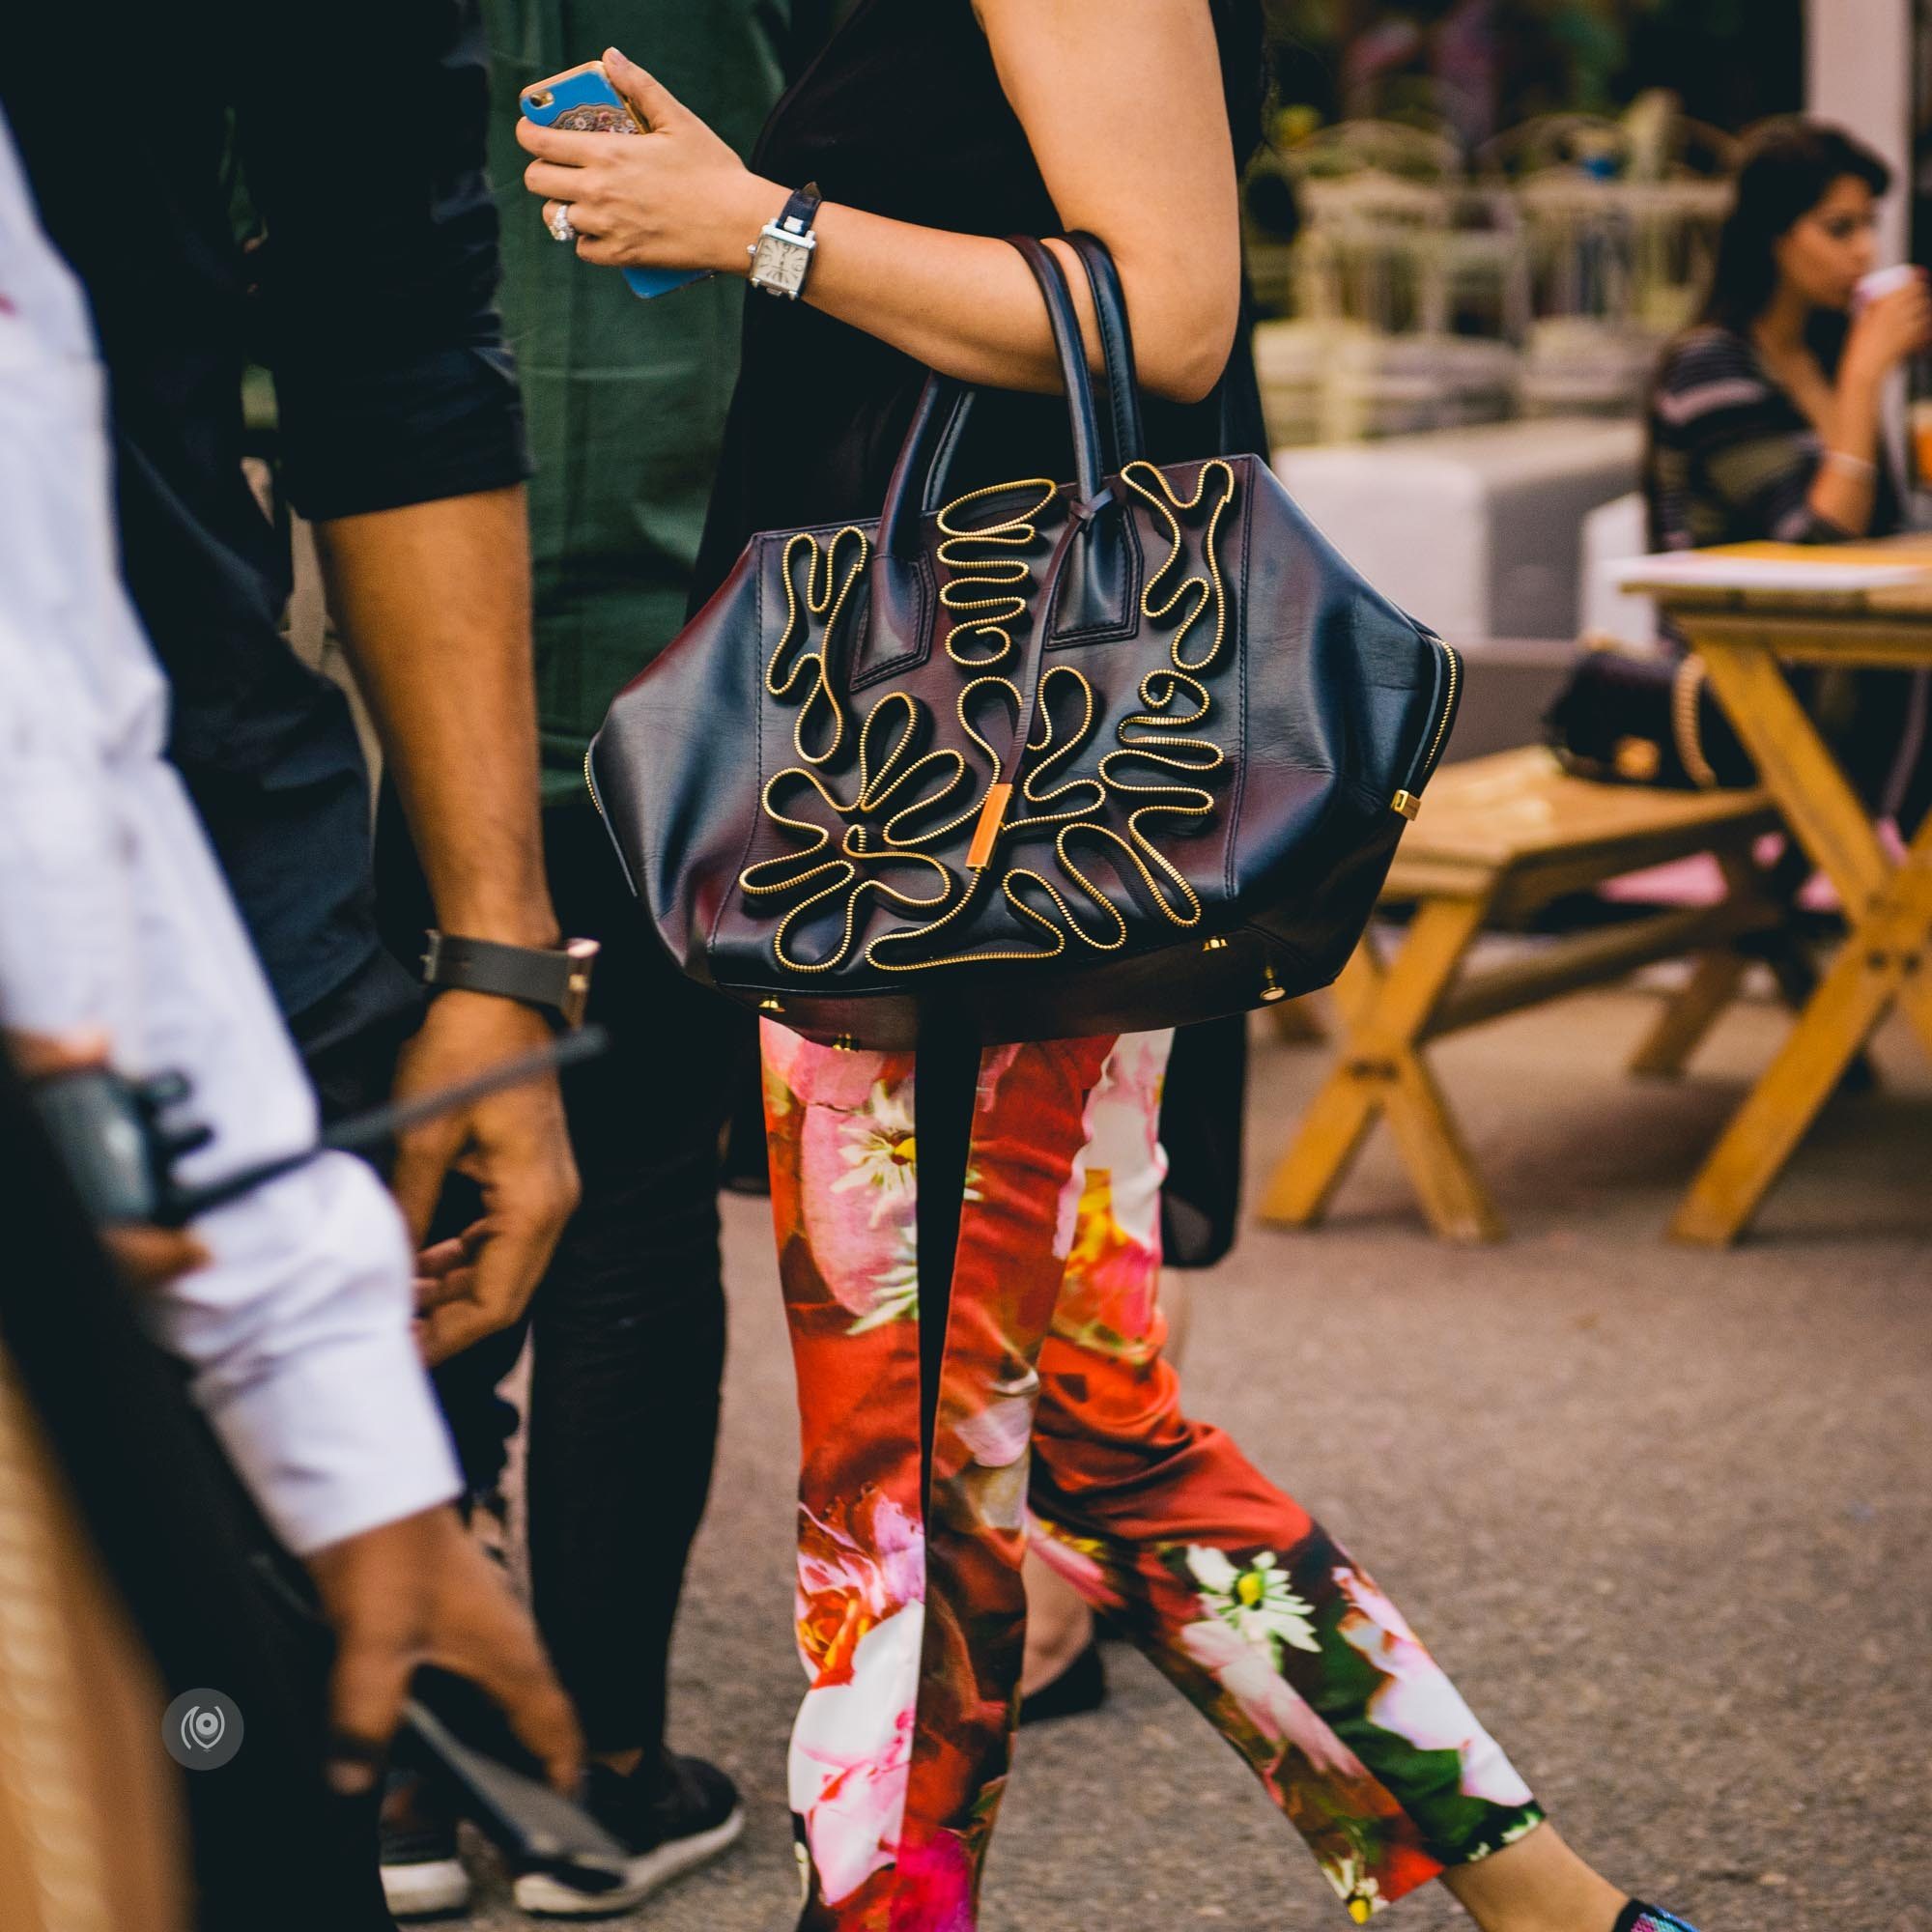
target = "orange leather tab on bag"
x: 988, y: 828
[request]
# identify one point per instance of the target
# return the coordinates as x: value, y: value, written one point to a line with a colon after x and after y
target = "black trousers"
x: 628, y: 1327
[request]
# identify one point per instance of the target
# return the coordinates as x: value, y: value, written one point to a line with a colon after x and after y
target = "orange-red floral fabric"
x: 1058, y: 1418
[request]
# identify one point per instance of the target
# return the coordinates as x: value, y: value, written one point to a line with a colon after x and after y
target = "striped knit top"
x: 1732, y: 457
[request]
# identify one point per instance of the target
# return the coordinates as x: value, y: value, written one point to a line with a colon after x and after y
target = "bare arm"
x: 1088, y: 80
x: 1845, y: 488
x: 433, y: 604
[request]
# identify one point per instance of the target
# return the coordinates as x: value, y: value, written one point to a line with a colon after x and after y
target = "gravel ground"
x: 1662, y: 1513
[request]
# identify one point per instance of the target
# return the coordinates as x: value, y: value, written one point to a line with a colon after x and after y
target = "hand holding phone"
x: 582, y: 99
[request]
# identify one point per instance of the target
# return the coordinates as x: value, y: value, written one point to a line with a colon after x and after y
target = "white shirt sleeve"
x: 114, y: 919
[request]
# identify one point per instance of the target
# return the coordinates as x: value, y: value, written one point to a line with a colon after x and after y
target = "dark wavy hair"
x: 1788, y: 169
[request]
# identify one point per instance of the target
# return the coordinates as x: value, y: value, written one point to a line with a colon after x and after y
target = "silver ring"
x: 560, y: 225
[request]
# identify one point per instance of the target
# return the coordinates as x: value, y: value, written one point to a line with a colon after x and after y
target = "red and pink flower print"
x: 1056, y: 1416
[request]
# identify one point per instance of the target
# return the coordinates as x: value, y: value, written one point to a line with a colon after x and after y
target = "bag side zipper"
x: 1409, y: 801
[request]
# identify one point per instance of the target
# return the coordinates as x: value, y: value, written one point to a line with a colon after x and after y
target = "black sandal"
x: 1081, y: 1687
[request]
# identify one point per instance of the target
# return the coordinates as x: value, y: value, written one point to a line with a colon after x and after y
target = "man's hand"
x: 143, y: 1257
x: 432, y: 602
x: 422, y: 1592
x: 514, y: 1145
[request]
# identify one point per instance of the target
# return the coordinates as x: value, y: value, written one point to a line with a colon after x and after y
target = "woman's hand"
x: 676, y: 197
x: 1889, y: 329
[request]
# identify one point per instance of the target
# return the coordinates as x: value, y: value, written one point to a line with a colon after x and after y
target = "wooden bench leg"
x: 1690, y: 1014
x: 1384, y: 1010
x: 1337, y: 1121
x: 1454, y: 1196
x: 1327, y: 1141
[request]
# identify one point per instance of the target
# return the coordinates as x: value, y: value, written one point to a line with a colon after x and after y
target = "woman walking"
x: 971, y: 1299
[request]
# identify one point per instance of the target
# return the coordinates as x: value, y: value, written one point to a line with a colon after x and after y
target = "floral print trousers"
x: 1058, y: 1421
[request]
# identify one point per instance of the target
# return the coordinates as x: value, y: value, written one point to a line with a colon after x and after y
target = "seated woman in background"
x: 1765, y: 422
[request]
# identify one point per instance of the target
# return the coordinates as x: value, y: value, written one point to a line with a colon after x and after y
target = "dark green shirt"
x: 625, y: 399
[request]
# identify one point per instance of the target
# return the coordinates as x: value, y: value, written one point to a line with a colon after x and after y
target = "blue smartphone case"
x: 588, y: 87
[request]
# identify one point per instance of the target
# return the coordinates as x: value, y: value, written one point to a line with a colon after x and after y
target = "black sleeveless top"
x: 901, y: 113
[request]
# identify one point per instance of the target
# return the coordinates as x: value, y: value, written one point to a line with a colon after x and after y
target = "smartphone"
x: 583, y: 98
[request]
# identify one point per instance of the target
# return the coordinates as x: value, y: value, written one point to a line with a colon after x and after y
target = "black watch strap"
x: 802, y: 209
x: 557, y: 980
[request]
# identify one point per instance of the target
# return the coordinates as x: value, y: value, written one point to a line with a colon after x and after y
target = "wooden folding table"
x: 1748, y: 612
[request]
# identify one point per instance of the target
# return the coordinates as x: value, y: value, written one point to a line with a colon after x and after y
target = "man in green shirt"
x: 625, y: 399
x: 625, y: 402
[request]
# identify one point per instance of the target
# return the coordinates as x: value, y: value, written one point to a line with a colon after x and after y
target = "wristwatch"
x: 782, y: 252
x: 557, y: 982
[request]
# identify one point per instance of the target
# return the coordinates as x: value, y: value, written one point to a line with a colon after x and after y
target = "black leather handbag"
x: 1042, y: 759
x: 1621, y: 719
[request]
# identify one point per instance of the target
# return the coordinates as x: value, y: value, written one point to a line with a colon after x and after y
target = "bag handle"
x: 942, y: 408
x: 1071, y: 346
x: 944, y: 404
x: 1123, y: 440
x: 1116, y: 349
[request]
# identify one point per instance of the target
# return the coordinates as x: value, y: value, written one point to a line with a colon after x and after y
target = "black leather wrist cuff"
x: 558, y: 982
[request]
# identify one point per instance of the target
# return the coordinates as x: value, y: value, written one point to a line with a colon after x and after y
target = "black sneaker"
x: 673, y: 1816
x: 422, y: 1875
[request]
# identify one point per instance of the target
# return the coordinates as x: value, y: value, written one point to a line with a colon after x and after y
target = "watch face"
x: 779, y: 264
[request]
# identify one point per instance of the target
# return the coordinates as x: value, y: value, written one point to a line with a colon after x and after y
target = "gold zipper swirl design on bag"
x: 904, y: 807
x: 825, y: 594
x: 1007, y: 577
x: 1166, y: 505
